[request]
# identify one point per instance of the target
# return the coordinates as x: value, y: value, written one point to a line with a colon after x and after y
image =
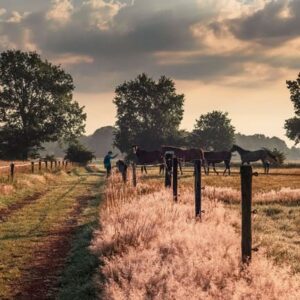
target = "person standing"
x: 107, y: 162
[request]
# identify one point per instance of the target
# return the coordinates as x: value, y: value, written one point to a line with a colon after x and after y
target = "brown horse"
x: 145, y: 157
x: 185, y: 155
x: 213, y: 158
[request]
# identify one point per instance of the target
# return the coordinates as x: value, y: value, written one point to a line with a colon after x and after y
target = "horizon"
x: 233, y: 56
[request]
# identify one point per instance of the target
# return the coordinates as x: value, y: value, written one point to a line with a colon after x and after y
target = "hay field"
x: 154, y: 249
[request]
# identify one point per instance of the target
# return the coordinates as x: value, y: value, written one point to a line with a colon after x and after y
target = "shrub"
x: 78, y: 153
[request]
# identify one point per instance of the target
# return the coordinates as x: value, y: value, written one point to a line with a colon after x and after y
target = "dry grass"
x: 155, y: 249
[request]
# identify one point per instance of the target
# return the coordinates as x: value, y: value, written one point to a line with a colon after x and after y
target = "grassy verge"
x: 276, y: 228
x: 77, y: 278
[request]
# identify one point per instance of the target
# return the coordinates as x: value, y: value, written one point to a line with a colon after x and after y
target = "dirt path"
x: 36, y: 238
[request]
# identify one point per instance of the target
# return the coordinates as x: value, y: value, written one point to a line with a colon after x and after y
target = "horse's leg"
x: 180, y: 167
x: 214, y: 168
x: 145, y: 169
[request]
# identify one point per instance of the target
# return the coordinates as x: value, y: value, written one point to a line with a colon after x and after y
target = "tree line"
x: 37, y: 106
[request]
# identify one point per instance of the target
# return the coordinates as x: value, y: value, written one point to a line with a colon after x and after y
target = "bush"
x: 78, y: 153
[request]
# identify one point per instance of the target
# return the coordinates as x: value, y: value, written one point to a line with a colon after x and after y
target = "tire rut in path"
x: 14, y: 207
x: 40, y: 279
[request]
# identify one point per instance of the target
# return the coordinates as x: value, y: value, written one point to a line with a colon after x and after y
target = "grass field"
x: 153, y: 249
x: 46, y: 226
x: 147, y: 247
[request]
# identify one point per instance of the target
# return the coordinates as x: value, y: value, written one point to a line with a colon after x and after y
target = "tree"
x: 36, y: 104
x: 148, y: 113
x: 78, y: 153
x: 292, y: 126
x: 213, y: 131
x: 280, y: 156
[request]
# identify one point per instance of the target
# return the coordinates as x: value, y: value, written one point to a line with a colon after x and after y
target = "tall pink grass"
x: 155, y: 249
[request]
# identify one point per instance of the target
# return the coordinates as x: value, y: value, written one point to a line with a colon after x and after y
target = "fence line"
x: 31, y: 167
x: 246, y: 174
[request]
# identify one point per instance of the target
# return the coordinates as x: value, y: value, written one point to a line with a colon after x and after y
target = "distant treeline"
x: 101, y: 141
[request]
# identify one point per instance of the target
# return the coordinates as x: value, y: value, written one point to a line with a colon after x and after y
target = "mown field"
x: 46, y: 224
x: 154, y: 249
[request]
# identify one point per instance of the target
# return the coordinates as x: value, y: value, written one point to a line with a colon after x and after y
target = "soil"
x: 40, y: 279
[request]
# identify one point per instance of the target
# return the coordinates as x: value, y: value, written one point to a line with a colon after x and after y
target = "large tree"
x: 213, y: 131
x: 36, y: 104
x: 148, y: 113
x: 292, y: 125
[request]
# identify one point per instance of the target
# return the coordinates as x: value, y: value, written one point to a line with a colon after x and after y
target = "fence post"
x: 40, y: 166
x: 246, y: 185
x: 66, y: 164
x: 134, y: 174
x: 51, y: 165
x: 32, y: 167
x: 175, y: 179
x: 197, y: 168
x: 46, y: 164
x: 12, y: 171
x: 55, y: 164
x: 168, y: 173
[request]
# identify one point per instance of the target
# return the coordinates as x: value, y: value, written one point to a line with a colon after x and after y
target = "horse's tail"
x: 271, y: 155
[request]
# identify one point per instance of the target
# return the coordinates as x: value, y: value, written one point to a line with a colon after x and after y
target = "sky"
x: 229, y: 55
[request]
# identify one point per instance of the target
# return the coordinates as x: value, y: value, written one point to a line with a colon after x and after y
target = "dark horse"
x: 122, y: 168
x: 213, y: 158
x: 185, y: 155
x: 263, y: 154
x: 145, y: 157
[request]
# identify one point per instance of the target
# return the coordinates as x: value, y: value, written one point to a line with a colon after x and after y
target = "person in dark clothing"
x: 107, y: 162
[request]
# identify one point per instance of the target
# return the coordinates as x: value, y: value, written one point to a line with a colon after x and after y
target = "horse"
x: 145, y: 157
x: 263, y: 154
x: 213, y: 158
x: 185, y: 155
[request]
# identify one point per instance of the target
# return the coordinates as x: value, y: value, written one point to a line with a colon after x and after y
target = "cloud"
x: 101, y: 43
x: 276, y: 23
x: 60, y: 11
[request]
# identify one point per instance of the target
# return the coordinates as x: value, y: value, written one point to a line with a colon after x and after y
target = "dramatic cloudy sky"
x: 231, y: 55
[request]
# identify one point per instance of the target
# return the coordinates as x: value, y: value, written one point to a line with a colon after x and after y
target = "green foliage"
x: 213, y: 131
x: 36, y: 104
x: 292, y: 126
x: 78, y: 153
x: 148, y: 113
x: 50, y: 157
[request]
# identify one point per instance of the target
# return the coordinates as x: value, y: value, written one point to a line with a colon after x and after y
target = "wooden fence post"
x: 197, y: 168
x: 51, y: 165
x: 55, y: 164
x: 168, y: 173
x: 46, y: 164
x: 175, y: 179
x: 66, y: 164
x: 12, y: 171
x: 134, y: 174
x: 246, y: 185
x: 40, y: 166
x: 32, y: 167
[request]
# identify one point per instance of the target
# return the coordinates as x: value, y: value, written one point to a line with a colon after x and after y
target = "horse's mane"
x: 244, y: 150
x: 174, y: 147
